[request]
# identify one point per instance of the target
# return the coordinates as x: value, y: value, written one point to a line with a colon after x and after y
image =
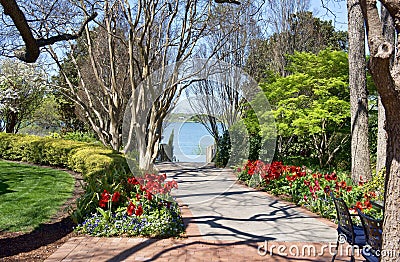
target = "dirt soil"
x: 40, y: 243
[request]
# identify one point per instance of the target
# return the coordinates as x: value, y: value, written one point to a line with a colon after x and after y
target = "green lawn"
x: 30, y: 195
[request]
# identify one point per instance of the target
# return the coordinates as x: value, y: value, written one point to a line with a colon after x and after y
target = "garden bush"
x: 223, y: 150
x: 102, y: 169
x: 76, y: 136
x: 86, y: 158
x: 98, y: 165
x: 310, y: 189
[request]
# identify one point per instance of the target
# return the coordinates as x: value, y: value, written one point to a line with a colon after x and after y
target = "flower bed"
x: 138, y: 206
x: 307, y: 188
x: 103, y: 208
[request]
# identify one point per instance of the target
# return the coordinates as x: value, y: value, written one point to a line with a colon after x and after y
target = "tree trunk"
x: 11, y: 123
x: 145, y: 163
x: 381, y: 138
x: 388, y: 84
x: 391, y: 237
x: 389, y: 34
x: 360, y: 158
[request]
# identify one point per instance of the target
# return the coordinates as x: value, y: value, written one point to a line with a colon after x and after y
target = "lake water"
x: 190, y: 141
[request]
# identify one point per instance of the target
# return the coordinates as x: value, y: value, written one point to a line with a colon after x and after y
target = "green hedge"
x: 86, y: 158
x: 101, y: 167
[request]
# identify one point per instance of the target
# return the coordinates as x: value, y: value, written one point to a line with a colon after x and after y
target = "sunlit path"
x: 225, y: 222
x: 225, y: 210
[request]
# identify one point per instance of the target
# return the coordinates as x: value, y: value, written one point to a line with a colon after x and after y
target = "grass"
x: 30, y: 195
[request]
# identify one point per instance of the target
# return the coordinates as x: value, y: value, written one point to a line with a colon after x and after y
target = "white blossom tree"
x: 22, y: 87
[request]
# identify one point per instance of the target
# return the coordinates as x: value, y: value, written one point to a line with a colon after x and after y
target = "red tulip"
x: 139, y: 211
x: 115, y: 197
x: 130, y: 209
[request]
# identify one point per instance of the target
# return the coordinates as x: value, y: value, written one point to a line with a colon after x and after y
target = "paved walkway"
x: 225, y: 221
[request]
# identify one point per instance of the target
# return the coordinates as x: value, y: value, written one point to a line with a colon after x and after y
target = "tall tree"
x: 306, y: 33
x: 163, y: 35
x: 95, y: 77
x: 387, y: 82
x: 139, y: 48
x: 218, y: 103
x: 389, y: 33
x: 280, y: 15
x: 360, y: 157
x: 311, y: 106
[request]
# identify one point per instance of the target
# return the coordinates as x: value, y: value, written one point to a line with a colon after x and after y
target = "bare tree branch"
x: 227, y: 2
x: 31, y: 51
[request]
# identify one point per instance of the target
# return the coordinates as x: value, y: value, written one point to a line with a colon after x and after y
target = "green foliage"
x: 305, y: 33
x: 376, y: 185
x: 45, y: 120
x: 80, y: 136
x: 68, y: 110
x: 312, y: 104
x: 254, y: 146
x: 30, y: 195
x: 86, y: 158
x: 223, y: 150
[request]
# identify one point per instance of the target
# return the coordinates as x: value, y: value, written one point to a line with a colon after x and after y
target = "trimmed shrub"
x: 103, y: 170
x: 99, y: 165
x: 86, y: 158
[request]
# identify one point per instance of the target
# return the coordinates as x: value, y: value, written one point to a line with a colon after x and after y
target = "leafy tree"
x: 304, y: 33
x: 22, y: 88
x: 47, y: 115
x: 311, y: 106
x: 45, y: 119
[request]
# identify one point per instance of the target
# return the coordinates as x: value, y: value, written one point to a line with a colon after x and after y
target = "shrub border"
x: 88, y: 159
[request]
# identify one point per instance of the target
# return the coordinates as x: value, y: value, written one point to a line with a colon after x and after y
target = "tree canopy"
x: 311, y: 104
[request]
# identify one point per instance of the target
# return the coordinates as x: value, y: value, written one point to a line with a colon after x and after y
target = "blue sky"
x: 338, y: 7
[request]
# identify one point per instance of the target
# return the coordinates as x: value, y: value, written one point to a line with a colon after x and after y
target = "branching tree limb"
x: 31, y: 51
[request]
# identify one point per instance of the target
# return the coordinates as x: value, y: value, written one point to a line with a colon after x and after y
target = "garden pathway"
x: 225, y: 221
x: 226, y: 210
